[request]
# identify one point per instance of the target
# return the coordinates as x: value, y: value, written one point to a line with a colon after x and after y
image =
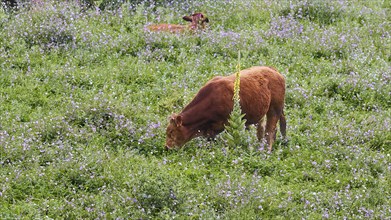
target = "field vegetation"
x: 85, y: 95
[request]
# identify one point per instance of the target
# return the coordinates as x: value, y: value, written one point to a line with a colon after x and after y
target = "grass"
x: 85, y: 96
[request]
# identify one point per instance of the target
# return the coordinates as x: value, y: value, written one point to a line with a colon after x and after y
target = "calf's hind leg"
x: 271, y: 124
x: 261, y: 128
x: 283, y: 126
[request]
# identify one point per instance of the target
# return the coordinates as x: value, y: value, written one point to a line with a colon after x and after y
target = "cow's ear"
x: 187, y: 18
x: 176, y: 120
x: 172, y: 119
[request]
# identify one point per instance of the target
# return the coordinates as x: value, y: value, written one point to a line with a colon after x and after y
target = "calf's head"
x: 176, y: 132
x: 198, y: 20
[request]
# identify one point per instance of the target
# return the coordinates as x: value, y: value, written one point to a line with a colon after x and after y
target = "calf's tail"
x: 283, y: 125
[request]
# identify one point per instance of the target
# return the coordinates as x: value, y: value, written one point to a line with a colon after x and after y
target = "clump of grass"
x: 156, y: 195
x: 49, y: 25
x: 323, y: 13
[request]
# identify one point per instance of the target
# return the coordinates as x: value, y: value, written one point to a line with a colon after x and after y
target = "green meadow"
x: 85, y: 96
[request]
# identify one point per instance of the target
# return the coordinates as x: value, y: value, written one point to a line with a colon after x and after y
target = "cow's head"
x: 176, y: 132
x: 198, y: 20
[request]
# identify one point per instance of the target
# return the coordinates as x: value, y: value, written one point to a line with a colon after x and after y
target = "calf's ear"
x: 187, y: 18
x: 176, y: 120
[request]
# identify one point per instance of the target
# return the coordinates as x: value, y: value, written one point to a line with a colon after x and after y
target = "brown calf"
x: 198, y: 22
x: 262, y: 93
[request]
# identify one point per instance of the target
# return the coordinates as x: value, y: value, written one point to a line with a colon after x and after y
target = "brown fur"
x: 198, y: 22
x: 262, y: 93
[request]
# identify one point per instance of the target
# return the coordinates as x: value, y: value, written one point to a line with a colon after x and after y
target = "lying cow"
x: 262, y: 92
x: 198, y: 22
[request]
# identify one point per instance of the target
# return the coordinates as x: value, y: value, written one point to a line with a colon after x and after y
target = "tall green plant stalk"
x: 234, y: 133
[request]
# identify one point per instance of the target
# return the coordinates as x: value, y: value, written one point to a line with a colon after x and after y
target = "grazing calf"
x: 198, y: 22
x: 262, y: 93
